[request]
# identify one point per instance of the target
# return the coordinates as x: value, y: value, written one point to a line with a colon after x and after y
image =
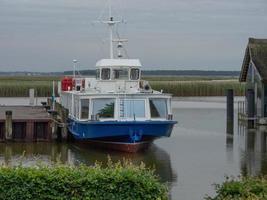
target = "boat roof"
x: 119, y: 63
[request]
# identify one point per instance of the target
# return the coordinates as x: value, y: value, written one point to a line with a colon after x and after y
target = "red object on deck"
x: 66, y: 84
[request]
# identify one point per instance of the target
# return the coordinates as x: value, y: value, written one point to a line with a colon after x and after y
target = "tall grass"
x: 188, y: 78
x: 198, y: 88
x: 178, y: 86
x: 18, y: 86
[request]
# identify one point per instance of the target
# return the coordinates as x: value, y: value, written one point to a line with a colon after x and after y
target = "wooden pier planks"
x: 26, y: 123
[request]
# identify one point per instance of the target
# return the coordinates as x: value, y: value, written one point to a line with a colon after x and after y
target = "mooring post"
x: 31, y: 95
x: 251, y: 108
x: 8, y: 125
x: 64, y: 117
x: 54, y: 124
x: 230, y: 111
x: 49, y: 102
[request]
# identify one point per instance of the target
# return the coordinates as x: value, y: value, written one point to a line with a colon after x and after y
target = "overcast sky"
x: 38, y: 35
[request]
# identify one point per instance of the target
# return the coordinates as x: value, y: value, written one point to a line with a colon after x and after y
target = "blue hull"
x: 133, y: 131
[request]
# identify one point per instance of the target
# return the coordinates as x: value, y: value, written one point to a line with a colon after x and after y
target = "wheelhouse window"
x: 135, y: 74
x: 132, y: 108
x: 158, y: 108
x: 97, y: 74
x: 121, y: 74
x: 105, y: 74
x: 84, y: 108
x: 104, y: 108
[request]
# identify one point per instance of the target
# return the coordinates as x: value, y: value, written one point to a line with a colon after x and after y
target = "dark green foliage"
x: 116, y: 181
x: 241, y: 189
x: 107, y: 111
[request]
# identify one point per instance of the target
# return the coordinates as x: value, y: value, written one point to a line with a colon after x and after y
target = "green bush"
x: 115, y: 181
x: 249, y: 188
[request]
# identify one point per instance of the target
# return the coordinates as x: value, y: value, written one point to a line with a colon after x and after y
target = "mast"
x: 74, y: 67
x: 110, y: 31
x: 110, y: 22
x: 111, y: 37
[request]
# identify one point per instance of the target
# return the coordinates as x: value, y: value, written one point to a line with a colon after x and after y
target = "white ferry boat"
x: 116, y: 108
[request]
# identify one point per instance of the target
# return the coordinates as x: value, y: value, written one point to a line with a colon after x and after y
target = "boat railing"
x: 95, y: 117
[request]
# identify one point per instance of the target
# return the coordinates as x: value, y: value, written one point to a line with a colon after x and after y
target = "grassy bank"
x: 116, y: 181
x: 188, y: 78
x: 18, y: 86
x: 241, y: 189
x: 198, y: 87
x: 178, y: 86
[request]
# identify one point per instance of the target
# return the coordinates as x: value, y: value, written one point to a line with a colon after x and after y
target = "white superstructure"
x: 118, y: 85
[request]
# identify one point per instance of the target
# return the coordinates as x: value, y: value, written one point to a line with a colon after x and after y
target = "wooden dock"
x: 25, y: 123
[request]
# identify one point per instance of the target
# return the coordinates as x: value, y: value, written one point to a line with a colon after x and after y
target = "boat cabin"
x: 117, y: 108
x: 254, y: 74
x: 118, y: 69
x: 115, y: 94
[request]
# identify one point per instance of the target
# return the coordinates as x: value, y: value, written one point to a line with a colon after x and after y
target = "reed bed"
x: 18, y: 86
x: 199, y: 88
x: 178, y: 86
x: 188, y: 78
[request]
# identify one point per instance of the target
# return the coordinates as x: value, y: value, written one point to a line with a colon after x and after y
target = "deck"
x: 25, y: 123
x: 36, y: 113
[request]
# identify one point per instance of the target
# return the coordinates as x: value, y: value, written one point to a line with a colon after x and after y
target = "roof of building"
x: 256, y: 52
x: 118, y: 63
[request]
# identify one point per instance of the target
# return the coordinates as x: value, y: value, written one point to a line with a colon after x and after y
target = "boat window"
x: 134, y: 74
x: 84, y: 108
x: 97, y: 74
x: 105, y: 74
x: 158, y: 108
x: 104, y: 108
x: 132, y: 108
x: 121, y: 74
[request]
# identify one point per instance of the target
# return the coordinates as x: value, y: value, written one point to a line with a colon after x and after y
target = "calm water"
x: 198, y: 154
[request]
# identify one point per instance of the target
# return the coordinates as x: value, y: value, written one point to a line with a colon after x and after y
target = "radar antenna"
x: 111, y: 23
x: 120, y: 46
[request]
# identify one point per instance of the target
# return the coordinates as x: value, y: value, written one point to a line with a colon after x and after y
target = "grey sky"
x: 38, y: 35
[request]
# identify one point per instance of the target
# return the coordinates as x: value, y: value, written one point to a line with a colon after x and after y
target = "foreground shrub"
x: 116, y: 181
x: 249, y: 188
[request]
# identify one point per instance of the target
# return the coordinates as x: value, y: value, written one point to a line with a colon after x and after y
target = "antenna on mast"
x: 120, y: 46
x: 111, y: 23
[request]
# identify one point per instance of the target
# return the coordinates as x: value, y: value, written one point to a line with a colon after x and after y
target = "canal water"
x: 198, y: 154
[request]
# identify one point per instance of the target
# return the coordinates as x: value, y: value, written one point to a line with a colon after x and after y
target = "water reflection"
x: 253, y: 145
x: 28, y: 154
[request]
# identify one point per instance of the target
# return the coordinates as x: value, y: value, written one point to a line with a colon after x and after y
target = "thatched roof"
x: 256, y: 52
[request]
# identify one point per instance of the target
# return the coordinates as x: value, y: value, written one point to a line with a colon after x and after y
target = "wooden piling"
x: 49, y: 102
x: 31, y: 96
x: 251, y: 108
x: 29, y: 131
x: 54, y: 125
x: 8, y: 125
x: 24, y: 123
x: 64, y: 118
x: 230, y: 111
